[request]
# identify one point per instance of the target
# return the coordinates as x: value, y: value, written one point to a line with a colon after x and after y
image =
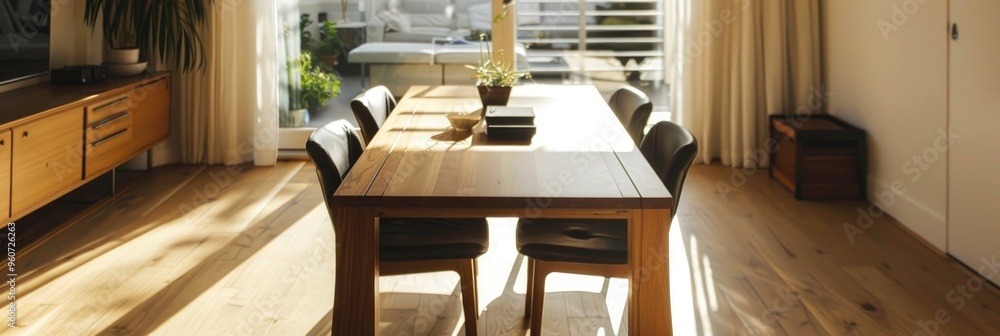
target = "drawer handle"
x: 115, y: 135
x: 112, y: 119
x: 158, y: 81
x: 1, y: 142
x: 25, y: 134
x: 119, y: 100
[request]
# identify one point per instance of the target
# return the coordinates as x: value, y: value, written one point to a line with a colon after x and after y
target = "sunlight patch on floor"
x: 681, y: 296
x: 236, y: 294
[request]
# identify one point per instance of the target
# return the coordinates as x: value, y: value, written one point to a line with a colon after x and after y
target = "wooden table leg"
x: 649, y: 270
x: 355, y: 307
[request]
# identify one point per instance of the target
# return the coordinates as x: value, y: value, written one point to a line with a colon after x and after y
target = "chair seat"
x: 592, y: 241
x: 410, y: 239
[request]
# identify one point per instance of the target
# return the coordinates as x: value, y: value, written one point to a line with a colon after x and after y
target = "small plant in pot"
x: 330, y: 44
x: 168, y: 29
x: 123, y: 49
x: 318, y: 85
x: 494, y: 78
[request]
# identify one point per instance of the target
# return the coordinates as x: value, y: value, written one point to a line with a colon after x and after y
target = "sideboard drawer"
x: 109, y: 151
x: 111, y: 124
x: 108, y: 107
x: 109, y: 134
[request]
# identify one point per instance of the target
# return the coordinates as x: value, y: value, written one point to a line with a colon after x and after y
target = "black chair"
x: 632, y: 108
x: 371, y: 108
x: 598, y: 246
x: 406, y: 245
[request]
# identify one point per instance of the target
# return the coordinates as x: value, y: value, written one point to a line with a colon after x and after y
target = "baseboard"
x: 940, y: 252
x: 293, y: 155
x: 166, y: 153
x: 293, y: 138
x: 925, y: 224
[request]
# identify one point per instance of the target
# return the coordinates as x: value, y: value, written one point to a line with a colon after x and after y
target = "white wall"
x: 885, y: 61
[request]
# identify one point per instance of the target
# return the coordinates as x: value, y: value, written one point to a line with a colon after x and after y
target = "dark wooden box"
x: 818, y: 156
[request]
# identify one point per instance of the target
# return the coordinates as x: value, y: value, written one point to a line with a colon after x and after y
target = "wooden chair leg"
x: 538, y: 296
x: 470, y: 300
x: 475, y: 289
x: 529, y: 293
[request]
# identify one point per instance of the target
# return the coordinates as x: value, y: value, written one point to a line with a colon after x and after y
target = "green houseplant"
x: 168, y: 28
x: 318, y: 86
x: 314, y: 89
x: 494, y: 78
x: 306, y: 41
x: 330, y: 45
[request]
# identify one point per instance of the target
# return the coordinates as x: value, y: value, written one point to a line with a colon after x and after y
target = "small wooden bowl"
x: 463, y: 122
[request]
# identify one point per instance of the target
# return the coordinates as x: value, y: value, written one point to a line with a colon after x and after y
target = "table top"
x: 580, y: 158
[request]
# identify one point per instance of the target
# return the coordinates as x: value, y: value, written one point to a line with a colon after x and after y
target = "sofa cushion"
x: 430, y: 20
x: 467, y: 54
x: 424, y: 6
x: 395, y: 21
x: 419, y: 53
x: 462, y: 11
x: 463, y: 5
x: 481, y: 17
x: 392, y: 53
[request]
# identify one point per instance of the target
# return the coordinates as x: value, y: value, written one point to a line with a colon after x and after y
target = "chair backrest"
x: 632, y: 108
x: 670, y: 149
x: 371, y: 108
x: 334, y: 148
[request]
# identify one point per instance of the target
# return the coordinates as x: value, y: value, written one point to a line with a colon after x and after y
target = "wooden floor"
x: 209, y: 251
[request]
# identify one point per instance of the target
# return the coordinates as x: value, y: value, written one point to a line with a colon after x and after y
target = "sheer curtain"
x: 228, y: 112
x: 733, y: 62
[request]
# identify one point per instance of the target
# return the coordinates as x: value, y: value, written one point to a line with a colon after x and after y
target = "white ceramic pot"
x: 126, y: 70
x: 298, y: 117
x: 123, y: 56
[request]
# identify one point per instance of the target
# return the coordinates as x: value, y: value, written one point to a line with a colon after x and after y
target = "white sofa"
x: 399, y: 65
x: 422, y: 20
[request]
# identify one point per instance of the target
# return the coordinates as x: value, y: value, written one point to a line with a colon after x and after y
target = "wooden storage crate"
x: 819, y: 156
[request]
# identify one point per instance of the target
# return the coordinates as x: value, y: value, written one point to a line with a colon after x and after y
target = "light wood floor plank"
x: 257, y: 258
x: 728, y: 276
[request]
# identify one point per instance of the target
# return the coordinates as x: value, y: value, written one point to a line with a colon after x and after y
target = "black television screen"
x: 24, y: 39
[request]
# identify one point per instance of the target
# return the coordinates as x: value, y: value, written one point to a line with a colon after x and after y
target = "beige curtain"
x: 228, y: 112
x: 733, y: 62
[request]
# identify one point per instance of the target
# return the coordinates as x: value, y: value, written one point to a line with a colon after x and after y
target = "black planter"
x: 493, y: 95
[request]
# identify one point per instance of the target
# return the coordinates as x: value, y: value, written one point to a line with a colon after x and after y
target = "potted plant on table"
x: 494, y: 78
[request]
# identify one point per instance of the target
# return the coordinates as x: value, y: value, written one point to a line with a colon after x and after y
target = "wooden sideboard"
x: 54, y: 139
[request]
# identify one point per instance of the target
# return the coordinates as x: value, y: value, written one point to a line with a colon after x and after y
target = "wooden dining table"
x: 581, y: 163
